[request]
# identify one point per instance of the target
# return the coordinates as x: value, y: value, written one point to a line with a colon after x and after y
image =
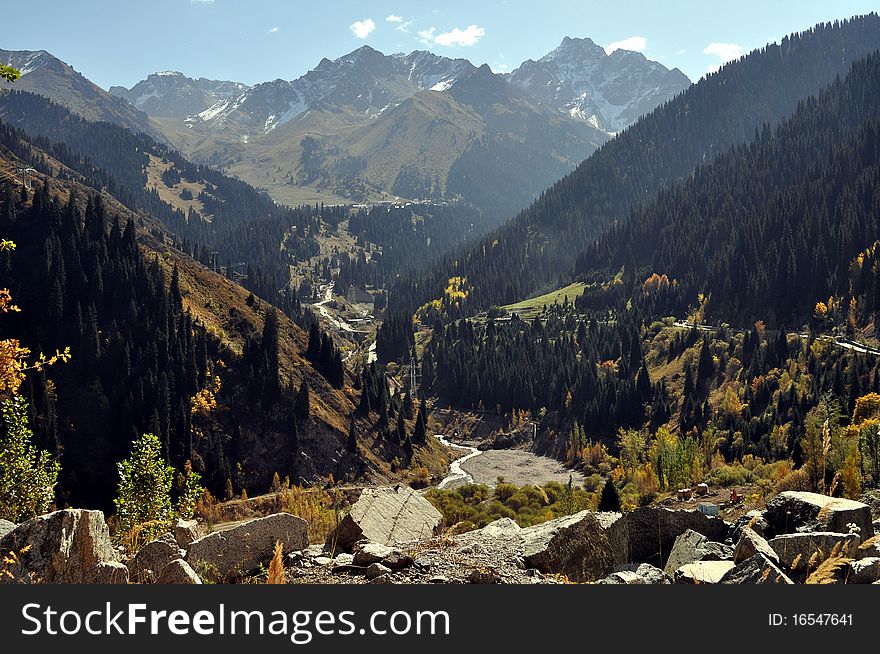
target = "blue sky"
x: 120, y: 42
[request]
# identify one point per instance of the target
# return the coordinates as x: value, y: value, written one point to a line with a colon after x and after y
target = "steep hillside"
x: 45, y: 75
x: 150, y: 328
x: 774, y: 226
x: 539, y: 246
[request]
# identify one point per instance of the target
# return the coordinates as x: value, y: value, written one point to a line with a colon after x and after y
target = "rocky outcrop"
x: 864, y: 571
x: 574, y: 545
x: 702, y: 572
x: 691, y: 547
x: 751, y: 543
x: 647, y: 534
x: 800, y: 551
x: 797, y: 511
x: 226, y: 555
x: 757, y: 569
x: 65, y: 547
x: 187, y: 531
x: 386, y: 515
x: 178, y: 572
x: 147, y: 565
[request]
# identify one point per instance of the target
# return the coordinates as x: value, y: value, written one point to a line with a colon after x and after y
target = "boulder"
x: 499, y: 528
x: 754, y: 519
x: 573, y: 545
x: 368, y: 553
x: 684, y: 550
x: 376, y: 570
x: 803, y: 550
x: 225, y: 555
x: 864, y: 571
x: 178, y: 572
x: 692, y: 546
x: 751, y: 543
x: 146, y: 566
x: 111, y: 572
x: 646, y: 571
x: 66, y: 547
x: 647, y: 534
x: 484, y: 576
x: 798, y: 511
x: 702, y: 572
x: 6, y: 527
x: 625, y: 577
x: 188, y: 531
x: 757, y: 569
x: 386, y: 515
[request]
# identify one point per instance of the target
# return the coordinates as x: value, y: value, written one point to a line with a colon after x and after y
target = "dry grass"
x: 276, y: 567
x: 320, y: 508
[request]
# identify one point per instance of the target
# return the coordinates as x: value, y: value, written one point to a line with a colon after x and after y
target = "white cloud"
x: 427, y: 36
x: 362, y: 28
x: 634, y: 43
x: 470, y: 35
x: 724, y: 51
x: 273, y: 30
x: 202, y: 2
x: 402, y: 25
x: 681, y: 52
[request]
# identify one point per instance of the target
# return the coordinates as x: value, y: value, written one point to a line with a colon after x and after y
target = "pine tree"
x: 302, y: 405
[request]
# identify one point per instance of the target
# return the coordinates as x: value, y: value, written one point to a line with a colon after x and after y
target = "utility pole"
x: 24, y: 172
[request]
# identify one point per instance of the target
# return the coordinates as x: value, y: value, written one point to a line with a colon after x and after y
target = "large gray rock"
x: 648, y: 572
x: 624, y: 577
x: 65, y: 547
x: 225, y: 555
x: 702, y: 572
x: 499, y: 528
x: 386, y: 515
x: 573, y: 545
x: 178, y: 572
x: 368, y: 553
x: 111, y: 572
x: 757, y: 569
x: 691, y: 547
x: 751, y: 543
x: 754, y: 519
x: 6, y: 527
x: 864, y: 571
x: 188, y: 531
x: 146, y: 566
x: 798, y: 511
x: 647, y: 534
x: 806, y: 550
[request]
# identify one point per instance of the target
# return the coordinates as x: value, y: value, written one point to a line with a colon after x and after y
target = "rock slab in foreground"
x: 225, y: 555
x: 757, y: 569
x: 703, y: 572
x: 800, y: 551
x: 178, y: 572
x: 797, y: 511
x: 573, y: 545
x: 65, y: 547
x: 386, y: 515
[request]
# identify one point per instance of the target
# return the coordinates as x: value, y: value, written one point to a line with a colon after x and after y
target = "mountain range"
x: 369, y: 126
